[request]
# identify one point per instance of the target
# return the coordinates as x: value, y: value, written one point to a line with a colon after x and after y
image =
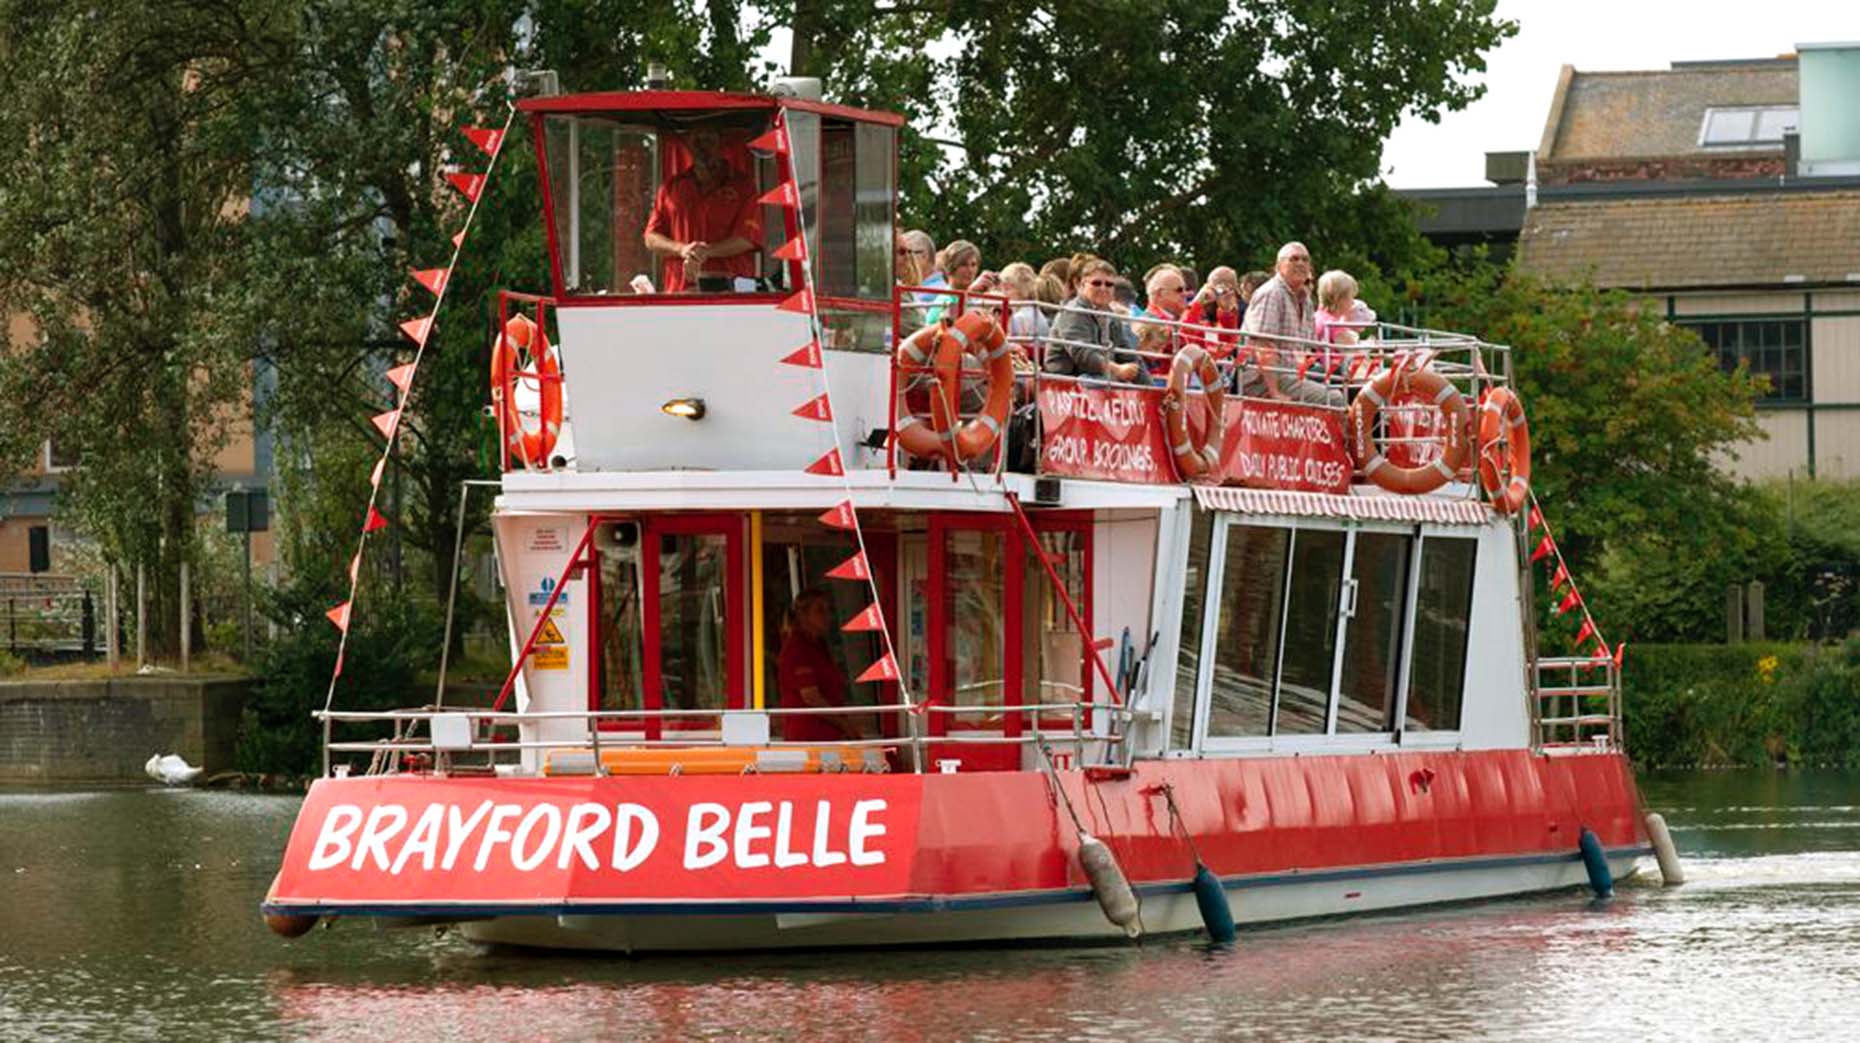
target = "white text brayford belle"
x: 783, y: 681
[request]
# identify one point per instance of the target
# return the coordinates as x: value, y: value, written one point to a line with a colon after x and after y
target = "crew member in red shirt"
x: 705, y: 220
x: 808, y: 675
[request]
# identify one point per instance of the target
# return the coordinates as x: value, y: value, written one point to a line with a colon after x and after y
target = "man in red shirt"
x: 808, y: 675
x: 705, y: 220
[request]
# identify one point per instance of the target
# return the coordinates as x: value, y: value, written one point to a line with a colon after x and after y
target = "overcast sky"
x: 1595, y: 34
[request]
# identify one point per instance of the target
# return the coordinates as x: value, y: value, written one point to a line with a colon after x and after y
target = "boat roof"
x: 1363, y: 506
x: 710, y: 101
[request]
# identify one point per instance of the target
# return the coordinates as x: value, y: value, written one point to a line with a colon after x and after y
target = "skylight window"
x: 1747, y: 126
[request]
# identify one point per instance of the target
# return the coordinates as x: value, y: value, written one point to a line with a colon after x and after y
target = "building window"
x: 1774, y: 348
x: 1747, y: 126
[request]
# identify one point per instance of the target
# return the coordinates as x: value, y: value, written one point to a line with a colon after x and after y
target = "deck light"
x: 689, y: 408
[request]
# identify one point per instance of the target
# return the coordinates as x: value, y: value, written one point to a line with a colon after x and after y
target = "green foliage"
x: 1743, y: 705
x: 386, y: 646
x: 10, y: 664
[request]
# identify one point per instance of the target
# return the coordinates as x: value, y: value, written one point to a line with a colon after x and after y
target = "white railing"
x: 1576, y: 703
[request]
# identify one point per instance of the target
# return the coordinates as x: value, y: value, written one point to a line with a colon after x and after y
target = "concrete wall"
x: 91, y: 730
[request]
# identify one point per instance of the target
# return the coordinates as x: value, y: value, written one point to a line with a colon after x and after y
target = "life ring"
x: 1368, y: 455
x: 1194, y: 459
x: 1504, y: 451
x: 975, y: 333
x: 532, y: 447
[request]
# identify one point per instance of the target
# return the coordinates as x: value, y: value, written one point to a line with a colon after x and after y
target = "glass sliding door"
x: 1313, y: 590
x: 1372, y: 643
x: 1443, y: 605
x: 1247, y: 637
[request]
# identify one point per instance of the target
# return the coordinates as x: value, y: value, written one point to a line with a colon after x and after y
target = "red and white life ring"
x: 975, y: 333
x: 1504, y: 451
x: 1194, y: 459
x: 522, y: 337
x: 1430, y: 387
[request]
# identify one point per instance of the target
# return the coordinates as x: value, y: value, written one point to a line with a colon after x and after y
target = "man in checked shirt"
x: 1282, y: 308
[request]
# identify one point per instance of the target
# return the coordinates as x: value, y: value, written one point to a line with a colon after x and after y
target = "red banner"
x: 1113, y: 433
x: 412, y: 840
x: 1281, y: 445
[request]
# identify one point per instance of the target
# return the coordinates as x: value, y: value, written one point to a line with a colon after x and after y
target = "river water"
x: 131, y: 914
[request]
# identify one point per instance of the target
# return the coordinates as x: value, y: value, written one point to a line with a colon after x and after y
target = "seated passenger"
x: 1279, y: 324
x: 1216, y: 307
x: 958, y: 267
x: 1027, y: 323
x: 705, y: 221
x: 1165, y: 293
x: 807, y: 674
x: 1085, y: 340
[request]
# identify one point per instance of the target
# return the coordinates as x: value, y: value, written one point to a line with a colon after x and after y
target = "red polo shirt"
x: 684, y: 213
x: 806, y: 662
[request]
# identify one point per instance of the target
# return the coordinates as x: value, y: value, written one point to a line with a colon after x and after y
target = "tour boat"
x: 1196, y: 659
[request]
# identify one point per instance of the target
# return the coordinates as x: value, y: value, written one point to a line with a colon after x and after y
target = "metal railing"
x: 489, y: 746
x: 1576, y: 703
x: 46, y: 613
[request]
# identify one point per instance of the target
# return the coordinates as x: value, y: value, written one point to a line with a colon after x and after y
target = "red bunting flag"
x: 433, y: 279
x: 485, y: 138
x: 340, y: 616
x: 776, y: 141
x: 828, y: 465
x: 1536, y: 518
x: 417, y: 329
x: 469, y: 185
x: 1620, y: 650
x: 807, y: 355
x: 1544, y: 550
x: 853, y: 568
x: 1571, y: 600
x: 869, y: 618
x: 782, y: 194
x: 1560, y: 577
x: 840, y: 517
x: 400, y: 376
x: 374, y: 477
x: 458, y: 239
x: 792, y: 250
x: 816, y: 408
x: 886, y: 669
x: 801, y: 303
x: 387, y: 422
x: 1587, y: 631
x: 376, y: 520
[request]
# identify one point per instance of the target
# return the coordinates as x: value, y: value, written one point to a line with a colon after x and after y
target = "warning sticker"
x: 551, y: 634
x: 551, y: 649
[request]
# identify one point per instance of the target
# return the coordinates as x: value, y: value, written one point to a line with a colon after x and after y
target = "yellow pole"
x: 757, y: 667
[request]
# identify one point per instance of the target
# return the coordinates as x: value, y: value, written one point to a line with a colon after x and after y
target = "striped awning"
x: 1366, y: 507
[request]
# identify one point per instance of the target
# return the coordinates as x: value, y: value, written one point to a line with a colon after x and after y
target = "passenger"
x: 1336, y: 294
x: 1075, y: 269
x: 1217, y: 306
x: 807, y: 674
x: 1165, y: 293
x: 1027, y: 323
x: 1277, y: 323
x: 913, y: 262
x: 1058, y: 268
x: 705, y: 220
x: 1250, y: 284
x: 1085, y: 341
x: 959, y: 267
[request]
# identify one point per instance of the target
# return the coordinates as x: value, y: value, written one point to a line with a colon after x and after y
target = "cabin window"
x: 1310, y: 634
x: 1188, y: 660
x: 975, y: 567
x: 1052, y: 650
x: 1246, y: 651
x: 604, y: 176
x: 693, y: 634
x: 621, y: 632
x: 1378, y: 600
x: 1443, y: 606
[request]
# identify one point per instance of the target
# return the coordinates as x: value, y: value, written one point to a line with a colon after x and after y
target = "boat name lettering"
x: 526, y: 837
x: 1122, y: 410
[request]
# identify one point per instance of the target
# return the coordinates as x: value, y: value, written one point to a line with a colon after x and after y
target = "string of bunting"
x: 843, y: 516
x: 1563, y: 589
x: 435, y: 281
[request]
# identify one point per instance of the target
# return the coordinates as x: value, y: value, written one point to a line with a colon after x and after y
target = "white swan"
x: 170, y: 769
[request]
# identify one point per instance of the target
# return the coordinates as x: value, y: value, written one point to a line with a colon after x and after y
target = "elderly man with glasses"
x: 1282, y: 309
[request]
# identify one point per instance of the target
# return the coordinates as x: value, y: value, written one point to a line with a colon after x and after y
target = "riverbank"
x: 1746, y: 705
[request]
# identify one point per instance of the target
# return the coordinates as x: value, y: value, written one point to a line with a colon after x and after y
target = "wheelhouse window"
x: 1246, y: 640
x: 1775, y: 348
x: 617, y: 179
x: 1377, y: 599
x: 1188, y: 659
x: 1310, y: 633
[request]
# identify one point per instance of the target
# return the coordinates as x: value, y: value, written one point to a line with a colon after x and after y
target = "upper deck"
x: 657, y: 385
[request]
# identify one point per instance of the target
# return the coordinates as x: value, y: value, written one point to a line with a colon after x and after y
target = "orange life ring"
x: 531, y: 447
x: 1194, y: 459
x: 1504, y: 451
x: 975, y: 333
x: 1368, y: 455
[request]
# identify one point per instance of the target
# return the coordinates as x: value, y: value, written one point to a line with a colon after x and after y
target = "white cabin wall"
x: 535, y: 548
x: 1495, y: 714
x: 1149, y: 738
x: 622, y: 363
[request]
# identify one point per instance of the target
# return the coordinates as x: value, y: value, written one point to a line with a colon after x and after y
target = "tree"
x: 1630, y: 417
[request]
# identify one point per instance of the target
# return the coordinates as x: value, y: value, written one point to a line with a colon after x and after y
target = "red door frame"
x: 652, y: 528
x: 1013, y: 668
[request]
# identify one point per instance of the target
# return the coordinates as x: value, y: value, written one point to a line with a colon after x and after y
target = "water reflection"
x: 132, y: 915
